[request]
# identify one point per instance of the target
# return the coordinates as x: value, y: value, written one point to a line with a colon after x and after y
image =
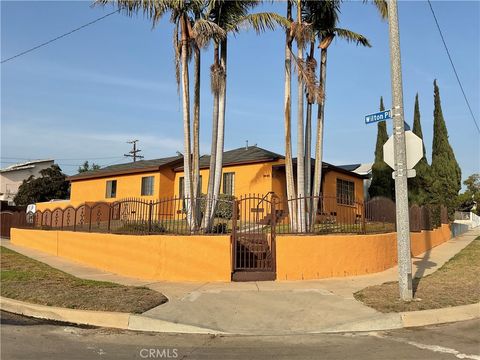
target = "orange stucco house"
x: 246, y: 170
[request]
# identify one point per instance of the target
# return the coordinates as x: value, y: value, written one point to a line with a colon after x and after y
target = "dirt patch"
x: 456, y: 283
x: 29, y: 280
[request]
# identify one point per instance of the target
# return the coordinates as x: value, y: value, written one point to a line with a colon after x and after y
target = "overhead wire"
x: 59, y: 37
x: 453, y: 66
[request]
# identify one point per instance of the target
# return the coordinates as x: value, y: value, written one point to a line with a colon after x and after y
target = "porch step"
x: 254, y: 276
x: 279, y: 215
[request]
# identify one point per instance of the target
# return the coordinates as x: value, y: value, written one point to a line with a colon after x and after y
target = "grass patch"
x: 456, y: 283
x: 25, y: 279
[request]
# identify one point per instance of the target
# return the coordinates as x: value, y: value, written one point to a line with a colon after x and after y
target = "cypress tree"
x: 382, y: 183
x: 419, y: 186
x: 445, y: 172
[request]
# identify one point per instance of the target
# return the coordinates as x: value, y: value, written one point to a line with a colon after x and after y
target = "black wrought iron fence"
x: 319, y: 215
x: 177, y: 215
x: 135, y: 216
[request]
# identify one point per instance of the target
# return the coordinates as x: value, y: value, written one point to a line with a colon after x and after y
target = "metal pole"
x: 401, y: 189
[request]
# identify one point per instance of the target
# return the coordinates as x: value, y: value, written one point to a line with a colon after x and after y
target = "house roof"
x: 128, y: 168
x: 327, y: 167
x: 362, y: 169
x: 243, y: 155
x: 24, y: 165
x: 349, y: 167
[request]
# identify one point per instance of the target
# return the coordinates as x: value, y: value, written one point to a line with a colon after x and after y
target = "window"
x: 181, y: 186
x: 199, y: 184
x: 147, y: 185
x: 228, y: 183
x: 345, y: 192
x: 111, y: 189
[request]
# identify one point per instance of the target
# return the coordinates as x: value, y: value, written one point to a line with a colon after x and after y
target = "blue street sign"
x: 379, y: 116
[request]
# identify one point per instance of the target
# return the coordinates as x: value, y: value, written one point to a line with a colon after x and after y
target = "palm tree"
x: 192, y: 31
x: 231, y: 16
x: 301, y: 35
x: 292, y: 210
x: 323, y: 15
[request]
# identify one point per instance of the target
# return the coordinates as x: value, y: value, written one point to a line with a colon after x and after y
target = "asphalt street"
x: 32, y: 339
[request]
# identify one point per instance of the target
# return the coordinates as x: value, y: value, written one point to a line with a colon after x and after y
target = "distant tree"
x: 86, y: 167
x: 382, y: 182
x: 470, y: 199
x: 419, y: 186
x: 52, y: 184
x: 446, y: 174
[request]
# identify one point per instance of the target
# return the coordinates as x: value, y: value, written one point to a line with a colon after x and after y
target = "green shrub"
x: 224, y: 206
x: 141, y: 227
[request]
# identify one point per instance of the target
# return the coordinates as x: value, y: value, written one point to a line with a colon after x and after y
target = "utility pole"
x: 134, y: 151
x: 400, y: 155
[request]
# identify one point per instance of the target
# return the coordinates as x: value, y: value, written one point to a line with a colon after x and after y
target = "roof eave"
x: 179, y: 169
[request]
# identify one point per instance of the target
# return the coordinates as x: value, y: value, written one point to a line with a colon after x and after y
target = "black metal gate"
x: 254, y: 220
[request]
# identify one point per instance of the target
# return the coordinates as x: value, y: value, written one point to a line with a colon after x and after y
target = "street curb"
x: 127, y: 321
x: 118, y: 320
x: 440, y: 316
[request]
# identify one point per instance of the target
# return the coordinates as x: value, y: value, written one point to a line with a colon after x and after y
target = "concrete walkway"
x: 269, y: 307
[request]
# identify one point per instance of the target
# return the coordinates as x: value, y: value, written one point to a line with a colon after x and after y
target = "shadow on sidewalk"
x: 423, y: 263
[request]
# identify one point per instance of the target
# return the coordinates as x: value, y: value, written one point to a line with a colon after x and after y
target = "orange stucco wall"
x: 127, y: 186
x: 317, y: 257
x: 157, y: 257
x: 208, y: 258
x: 256, y: 178
x: 249, y: 178
x: 330, y: 184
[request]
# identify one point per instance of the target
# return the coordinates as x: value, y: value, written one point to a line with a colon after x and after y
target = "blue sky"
x: 85, y: 95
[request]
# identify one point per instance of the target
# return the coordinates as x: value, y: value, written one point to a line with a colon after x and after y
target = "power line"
x: 88, y: 158
x: 59, y: 37
x: 453, y: 66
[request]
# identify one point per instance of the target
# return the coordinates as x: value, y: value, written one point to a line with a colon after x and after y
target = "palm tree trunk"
x: 317, y: 179
x: 213, y: 152
x: 221, y: 123
x: 300, y: 136
x: 196, y: 134
x: 186, y: 123
x: 308, y: 146
x: 292, y: 209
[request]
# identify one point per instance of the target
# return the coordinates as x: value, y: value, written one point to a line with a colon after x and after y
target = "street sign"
x: 379, y: 116
x: 414, y: 150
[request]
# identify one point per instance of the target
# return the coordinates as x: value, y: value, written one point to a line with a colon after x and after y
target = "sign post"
x: 400, y: 156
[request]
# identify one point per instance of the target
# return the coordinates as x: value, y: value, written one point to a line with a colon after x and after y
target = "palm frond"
x: 351, y: 36
x: 302, y: 33
x: 321, y: 14
x: 260, y: 22
x: 306, y: 71
x: 204, y: 31
x: 153, y: 9
x: 177, y: 52
x: 217, y: 78
x: 382, y: 7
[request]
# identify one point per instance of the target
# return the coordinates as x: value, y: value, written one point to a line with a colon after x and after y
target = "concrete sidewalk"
x: 269, y: 307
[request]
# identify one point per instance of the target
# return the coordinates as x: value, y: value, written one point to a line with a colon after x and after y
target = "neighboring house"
x: 12, y: 177
x: 366, y: 171
x: 246, y: 170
